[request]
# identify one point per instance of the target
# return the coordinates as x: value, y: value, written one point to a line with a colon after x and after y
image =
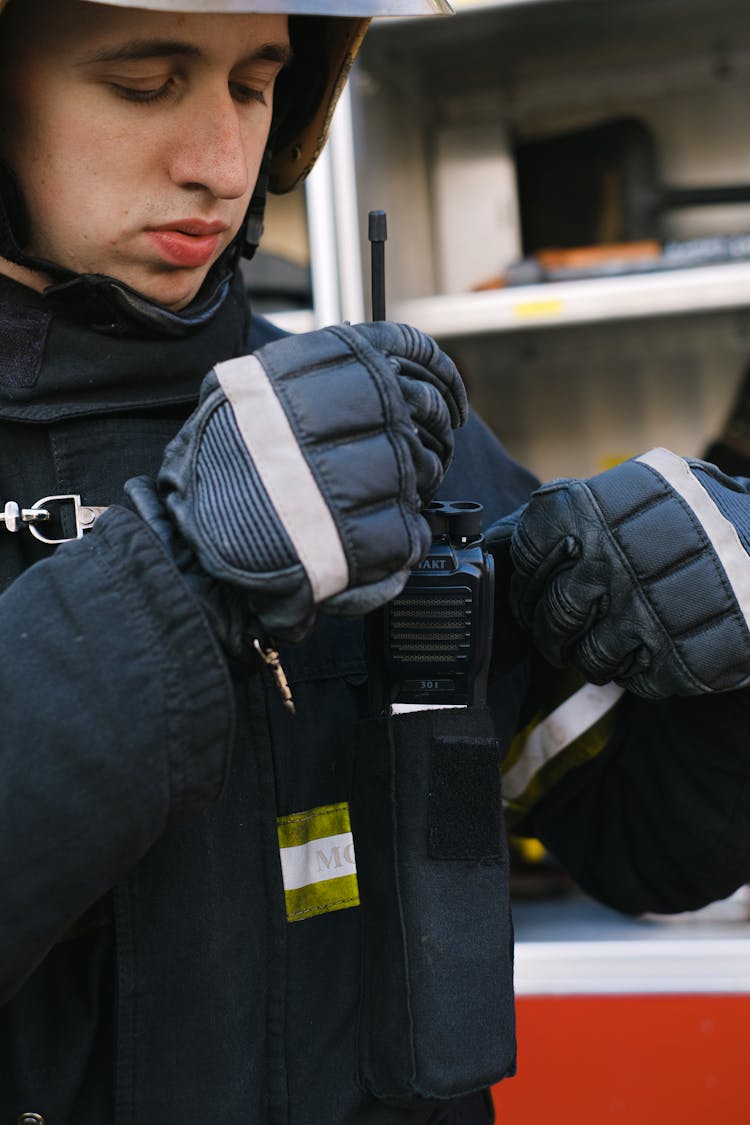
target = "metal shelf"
x: 714, y: 965
x: 556, y: 304
x: 579, y: 947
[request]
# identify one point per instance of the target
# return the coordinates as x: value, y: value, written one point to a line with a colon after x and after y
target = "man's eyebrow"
x: 272, y: 52
x: 136, y: 49
x: 142, y: 49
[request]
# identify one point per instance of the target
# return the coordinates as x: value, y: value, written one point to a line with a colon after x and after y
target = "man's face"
x: 137, y: 136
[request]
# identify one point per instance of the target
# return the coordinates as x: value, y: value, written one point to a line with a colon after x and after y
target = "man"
x: 168, y: 948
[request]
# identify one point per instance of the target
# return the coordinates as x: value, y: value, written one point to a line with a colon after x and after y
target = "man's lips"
x: 189, y: 243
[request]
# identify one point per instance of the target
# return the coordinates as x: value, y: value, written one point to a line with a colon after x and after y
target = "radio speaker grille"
x: 434, y: 628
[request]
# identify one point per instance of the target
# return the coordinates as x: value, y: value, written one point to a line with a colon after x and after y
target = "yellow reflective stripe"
x: 557, y: 731
x: 322, y: 898
x: 300, y: 828
x: 318, y: 862
x: 519, y: 741
x: 549, y: 690
x: 574, y: 733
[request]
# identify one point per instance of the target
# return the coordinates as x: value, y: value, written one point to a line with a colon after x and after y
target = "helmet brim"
x: 362, y: 8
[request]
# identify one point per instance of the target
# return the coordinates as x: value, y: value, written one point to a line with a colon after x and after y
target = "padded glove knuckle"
x: 419, y: 358
x: 668, y: 541
x: 301, y: 475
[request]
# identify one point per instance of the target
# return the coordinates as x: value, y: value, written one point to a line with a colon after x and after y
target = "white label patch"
x: 329, y: 858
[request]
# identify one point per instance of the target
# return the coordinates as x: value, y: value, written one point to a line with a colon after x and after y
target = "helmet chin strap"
x: 108, y: 305
x: 252, y: 230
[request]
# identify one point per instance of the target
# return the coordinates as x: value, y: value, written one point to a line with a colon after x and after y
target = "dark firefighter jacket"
x: 152, y: 965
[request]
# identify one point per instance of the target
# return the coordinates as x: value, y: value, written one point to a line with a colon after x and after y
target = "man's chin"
x: 175, y: 291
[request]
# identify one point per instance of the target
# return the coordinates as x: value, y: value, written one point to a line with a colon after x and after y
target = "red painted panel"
x: 640, y: 1060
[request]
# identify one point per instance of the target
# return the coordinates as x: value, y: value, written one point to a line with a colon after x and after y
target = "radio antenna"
x: 378, y: 233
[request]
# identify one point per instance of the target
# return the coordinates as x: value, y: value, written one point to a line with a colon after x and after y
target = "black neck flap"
x: 109, y: 306
x: 53, y: 367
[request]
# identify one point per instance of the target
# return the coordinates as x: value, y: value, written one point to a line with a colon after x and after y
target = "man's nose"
x: 211, y: 151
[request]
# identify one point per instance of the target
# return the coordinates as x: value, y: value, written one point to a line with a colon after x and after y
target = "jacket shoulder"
x: 263, y: 331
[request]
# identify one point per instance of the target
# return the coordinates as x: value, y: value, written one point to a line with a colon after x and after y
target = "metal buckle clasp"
x: 85, y: 515
x: 15, y: 518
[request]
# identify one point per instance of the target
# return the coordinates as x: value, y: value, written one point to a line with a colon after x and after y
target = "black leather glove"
x: 301, y: 476
x: 640, y: 575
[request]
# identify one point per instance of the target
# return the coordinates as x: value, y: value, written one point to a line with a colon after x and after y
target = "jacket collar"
x: 52, y: 366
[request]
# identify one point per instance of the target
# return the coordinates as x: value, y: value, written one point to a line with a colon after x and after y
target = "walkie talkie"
x: 431, y: 645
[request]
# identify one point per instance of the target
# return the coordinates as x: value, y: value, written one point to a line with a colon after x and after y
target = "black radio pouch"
x: 436, y: 1013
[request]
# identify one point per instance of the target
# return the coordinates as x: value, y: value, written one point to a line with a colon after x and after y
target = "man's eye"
x: 243, y: 93
x: 138, y: 94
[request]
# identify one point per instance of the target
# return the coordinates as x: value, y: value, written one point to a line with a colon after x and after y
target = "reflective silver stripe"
x: 285, y: 473
x: 721, y: 532
x: 562, y: 726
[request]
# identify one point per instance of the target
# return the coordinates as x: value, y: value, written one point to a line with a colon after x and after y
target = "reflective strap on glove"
x: 277, y: 486
x: 640, y: 575
x: 302, y: 474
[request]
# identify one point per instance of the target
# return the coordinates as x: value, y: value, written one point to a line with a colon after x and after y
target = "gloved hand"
x: 301, y: 476
x: 640, y: 575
